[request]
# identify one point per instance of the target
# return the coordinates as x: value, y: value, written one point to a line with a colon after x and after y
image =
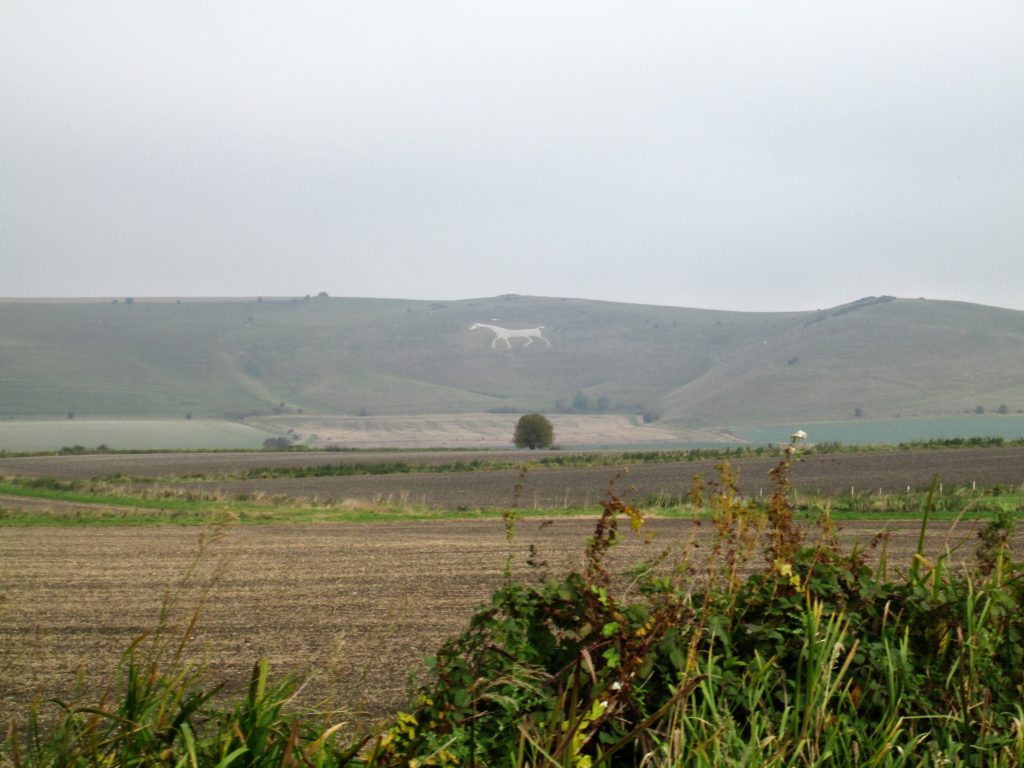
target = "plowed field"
x: 165, y: 464
x: 562, y: 487
x: 547, y: 487
x: 357, y: 606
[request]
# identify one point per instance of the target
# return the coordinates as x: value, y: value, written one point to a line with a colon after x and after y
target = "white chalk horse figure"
x: 507, y: 334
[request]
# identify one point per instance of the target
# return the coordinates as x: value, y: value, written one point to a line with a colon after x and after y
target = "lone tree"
x: 534, y: 431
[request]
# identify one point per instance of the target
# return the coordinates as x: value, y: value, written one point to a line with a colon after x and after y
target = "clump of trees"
x: 277, y: 443
x: 534, y: 430
x: 980, y: 409
x: 581, y: 403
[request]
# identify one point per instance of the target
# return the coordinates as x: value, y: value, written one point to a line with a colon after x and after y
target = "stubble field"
x: 355, y: 606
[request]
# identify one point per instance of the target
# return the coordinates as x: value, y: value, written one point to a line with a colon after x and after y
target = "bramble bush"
x: 815, y: 659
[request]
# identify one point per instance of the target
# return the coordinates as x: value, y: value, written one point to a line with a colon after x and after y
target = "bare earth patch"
x: 479, y: 430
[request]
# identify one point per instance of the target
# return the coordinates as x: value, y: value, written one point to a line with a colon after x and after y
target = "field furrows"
x: 573, y: 487
x: 542, y: 487
x: 357, y: 606
x: 161, y: 464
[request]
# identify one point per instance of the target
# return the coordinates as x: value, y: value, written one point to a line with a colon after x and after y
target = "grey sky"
x: 737, y: 155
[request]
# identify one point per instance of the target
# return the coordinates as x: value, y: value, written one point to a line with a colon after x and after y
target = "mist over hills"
x: 879, y: 357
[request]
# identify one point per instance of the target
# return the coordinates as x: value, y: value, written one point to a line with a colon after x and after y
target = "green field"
x: 128, y: 434
x: 891, y: 431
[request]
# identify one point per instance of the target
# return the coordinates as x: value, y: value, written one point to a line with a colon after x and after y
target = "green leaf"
x: 611, y: 656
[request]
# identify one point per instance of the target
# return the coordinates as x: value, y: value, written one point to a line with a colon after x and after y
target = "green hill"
x: 341, y: 356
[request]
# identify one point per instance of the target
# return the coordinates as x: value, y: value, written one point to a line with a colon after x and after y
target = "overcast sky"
x: 736, y: 155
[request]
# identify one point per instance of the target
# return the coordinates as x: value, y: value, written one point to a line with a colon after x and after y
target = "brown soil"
x: 164, y: 464
x: 357, y: 606
x: 559, y: 488
x: 555, y: 487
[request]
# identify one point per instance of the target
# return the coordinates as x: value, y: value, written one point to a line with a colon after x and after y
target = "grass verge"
x: 107, y: 502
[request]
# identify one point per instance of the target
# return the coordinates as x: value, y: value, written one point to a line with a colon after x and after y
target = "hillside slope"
x: 887, y: 358
x: 379, y: 356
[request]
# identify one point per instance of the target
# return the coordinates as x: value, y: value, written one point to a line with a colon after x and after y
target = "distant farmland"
x: 551, y: 487
x: 894, y: 431
x: 468, y: 431
x: 134, y: 434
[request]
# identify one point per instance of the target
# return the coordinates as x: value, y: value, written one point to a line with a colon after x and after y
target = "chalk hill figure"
x: 506, y: 334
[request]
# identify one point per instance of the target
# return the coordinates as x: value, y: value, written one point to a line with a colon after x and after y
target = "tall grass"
x: 766, y: 651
